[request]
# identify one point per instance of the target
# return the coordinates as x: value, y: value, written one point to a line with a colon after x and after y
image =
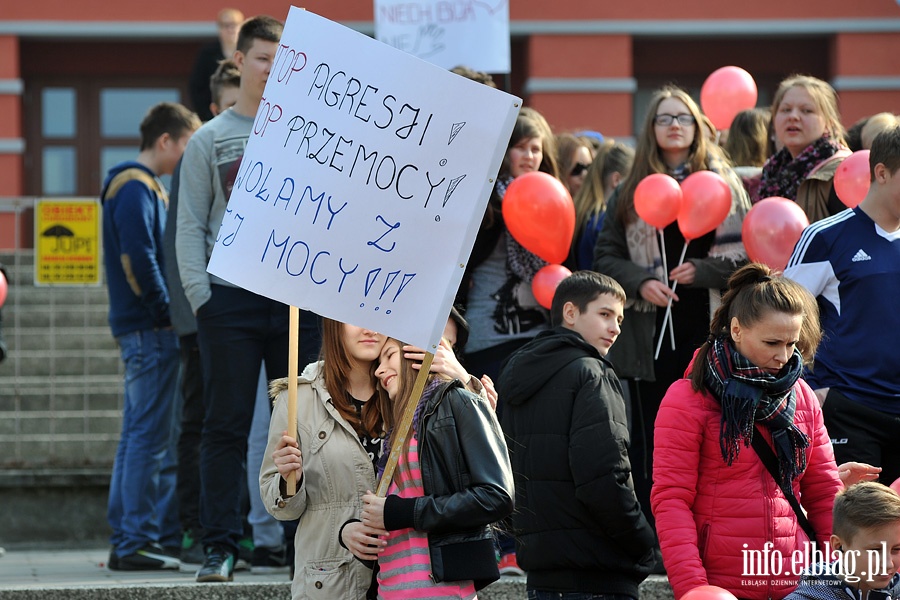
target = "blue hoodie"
x: 134, y: 219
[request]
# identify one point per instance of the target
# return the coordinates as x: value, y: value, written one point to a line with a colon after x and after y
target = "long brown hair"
x: 748, y: 138
x: 613, y: 157
x: 648, y: 157
x: 406, y: 379
x: 529, y: 124
x: 336, y: 373
x: 566, y: 146
x: 755, y: 290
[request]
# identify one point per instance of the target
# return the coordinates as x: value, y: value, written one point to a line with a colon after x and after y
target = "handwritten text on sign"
x: 363, y: 183
x: 474, y: 33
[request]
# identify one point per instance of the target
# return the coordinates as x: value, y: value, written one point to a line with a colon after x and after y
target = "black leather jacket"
x: 468, y: 485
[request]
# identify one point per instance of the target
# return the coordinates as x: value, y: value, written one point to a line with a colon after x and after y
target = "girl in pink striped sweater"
x: 452, y: 482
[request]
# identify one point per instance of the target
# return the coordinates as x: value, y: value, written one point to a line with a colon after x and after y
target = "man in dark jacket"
x: 578, y: 523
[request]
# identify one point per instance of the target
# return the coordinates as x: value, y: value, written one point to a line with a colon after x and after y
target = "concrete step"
x: 25, y: 295
x: 56, y: 398
x: 62, y: 339
x: 45, y: 316
x: 43, y: 363
x: 61, y: 385
x: 65, y: 421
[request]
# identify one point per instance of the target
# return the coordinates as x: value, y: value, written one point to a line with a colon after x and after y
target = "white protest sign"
x: 363, y: 183
x: 474, y: 33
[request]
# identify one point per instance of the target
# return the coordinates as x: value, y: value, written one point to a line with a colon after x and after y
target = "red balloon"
x: 657, y: 199
x: 771, y: 229
x: 4, y: 288
x: 725, y: 93
x: 545, y: 281
x: 540, y: 215
x: 853, y: 178
x: 705, y: 204
x: 708, y: 592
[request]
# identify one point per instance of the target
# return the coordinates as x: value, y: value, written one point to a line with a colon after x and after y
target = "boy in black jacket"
x: 578, y: 523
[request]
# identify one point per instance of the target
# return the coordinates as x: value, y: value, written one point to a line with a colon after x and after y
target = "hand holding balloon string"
x: 706, y: 202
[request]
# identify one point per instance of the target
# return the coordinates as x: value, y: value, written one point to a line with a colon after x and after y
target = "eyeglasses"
x: 666, y: 120
x: 579, y: 168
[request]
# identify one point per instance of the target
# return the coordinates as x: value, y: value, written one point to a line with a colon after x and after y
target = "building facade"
x: 76, y: 77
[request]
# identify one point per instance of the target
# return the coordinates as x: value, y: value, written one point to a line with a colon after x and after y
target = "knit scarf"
x: 748, y: 395
x: 782, y: 174
x: 643, y: 241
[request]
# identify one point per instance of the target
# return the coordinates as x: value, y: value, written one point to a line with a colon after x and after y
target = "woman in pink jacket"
x: 722, y: 518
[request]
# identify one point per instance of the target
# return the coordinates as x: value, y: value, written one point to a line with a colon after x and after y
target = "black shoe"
x: 150, y: 557
x: 112, y: 562
x: 658, y: 568
x: 268, y: 561
x: 245, y: 554
x: 218, y: 566
x: 191, y: 554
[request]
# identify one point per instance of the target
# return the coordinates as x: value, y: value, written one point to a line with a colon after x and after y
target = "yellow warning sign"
x: 67, y: 242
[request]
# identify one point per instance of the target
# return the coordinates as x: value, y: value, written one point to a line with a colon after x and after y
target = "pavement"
x: 82, y: 573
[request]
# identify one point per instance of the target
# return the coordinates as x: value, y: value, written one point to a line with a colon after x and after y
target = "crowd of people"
x: 567, y: 445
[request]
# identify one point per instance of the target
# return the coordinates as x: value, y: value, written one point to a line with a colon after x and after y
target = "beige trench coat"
x: 337, y: 471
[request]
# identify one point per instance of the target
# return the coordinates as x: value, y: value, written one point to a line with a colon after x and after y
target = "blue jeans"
x: 541, y: 595
x: 267, y: 531
x: 237, y: 332
x: 143, y: 505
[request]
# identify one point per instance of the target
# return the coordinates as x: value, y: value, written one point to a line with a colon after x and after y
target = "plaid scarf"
x: 748, y: 395
x: 520, y: 263
x: 783, y: 174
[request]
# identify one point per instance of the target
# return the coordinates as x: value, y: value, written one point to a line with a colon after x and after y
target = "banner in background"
x: 447, y: 33
x: 363, y: 183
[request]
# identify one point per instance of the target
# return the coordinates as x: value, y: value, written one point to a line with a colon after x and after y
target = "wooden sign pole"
x: 293, y: 359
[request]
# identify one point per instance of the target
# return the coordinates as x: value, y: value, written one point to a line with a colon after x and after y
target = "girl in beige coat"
x: 339, y: 438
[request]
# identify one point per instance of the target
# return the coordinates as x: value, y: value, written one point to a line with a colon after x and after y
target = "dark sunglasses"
x: 579, y: 168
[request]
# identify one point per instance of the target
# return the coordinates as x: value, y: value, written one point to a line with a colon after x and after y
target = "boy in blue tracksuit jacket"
x: 142, y: 509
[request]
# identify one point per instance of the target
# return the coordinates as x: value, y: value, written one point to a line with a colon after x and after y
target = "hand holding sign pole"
x: 293, y: 359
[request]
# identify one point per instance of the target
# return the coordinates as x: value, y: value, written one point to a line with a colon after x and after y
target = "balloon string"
x: 662, y: 251
x: 669, y: 303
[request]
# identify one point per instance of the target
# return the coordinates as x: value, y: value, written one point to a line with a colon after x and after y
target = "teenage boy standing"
x: 236, y: 329
x: 851, y: 263
x: 143, y: 509
x: 578, y: 524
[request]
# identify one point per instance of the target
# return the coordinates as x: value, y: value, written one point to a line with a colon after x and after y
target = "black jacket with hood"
x: 578, y: 524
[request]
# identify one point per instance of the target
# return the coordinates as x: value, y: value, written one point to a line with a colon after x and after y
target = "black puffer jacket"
x: 468, y: 485
x: 578, y: 524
